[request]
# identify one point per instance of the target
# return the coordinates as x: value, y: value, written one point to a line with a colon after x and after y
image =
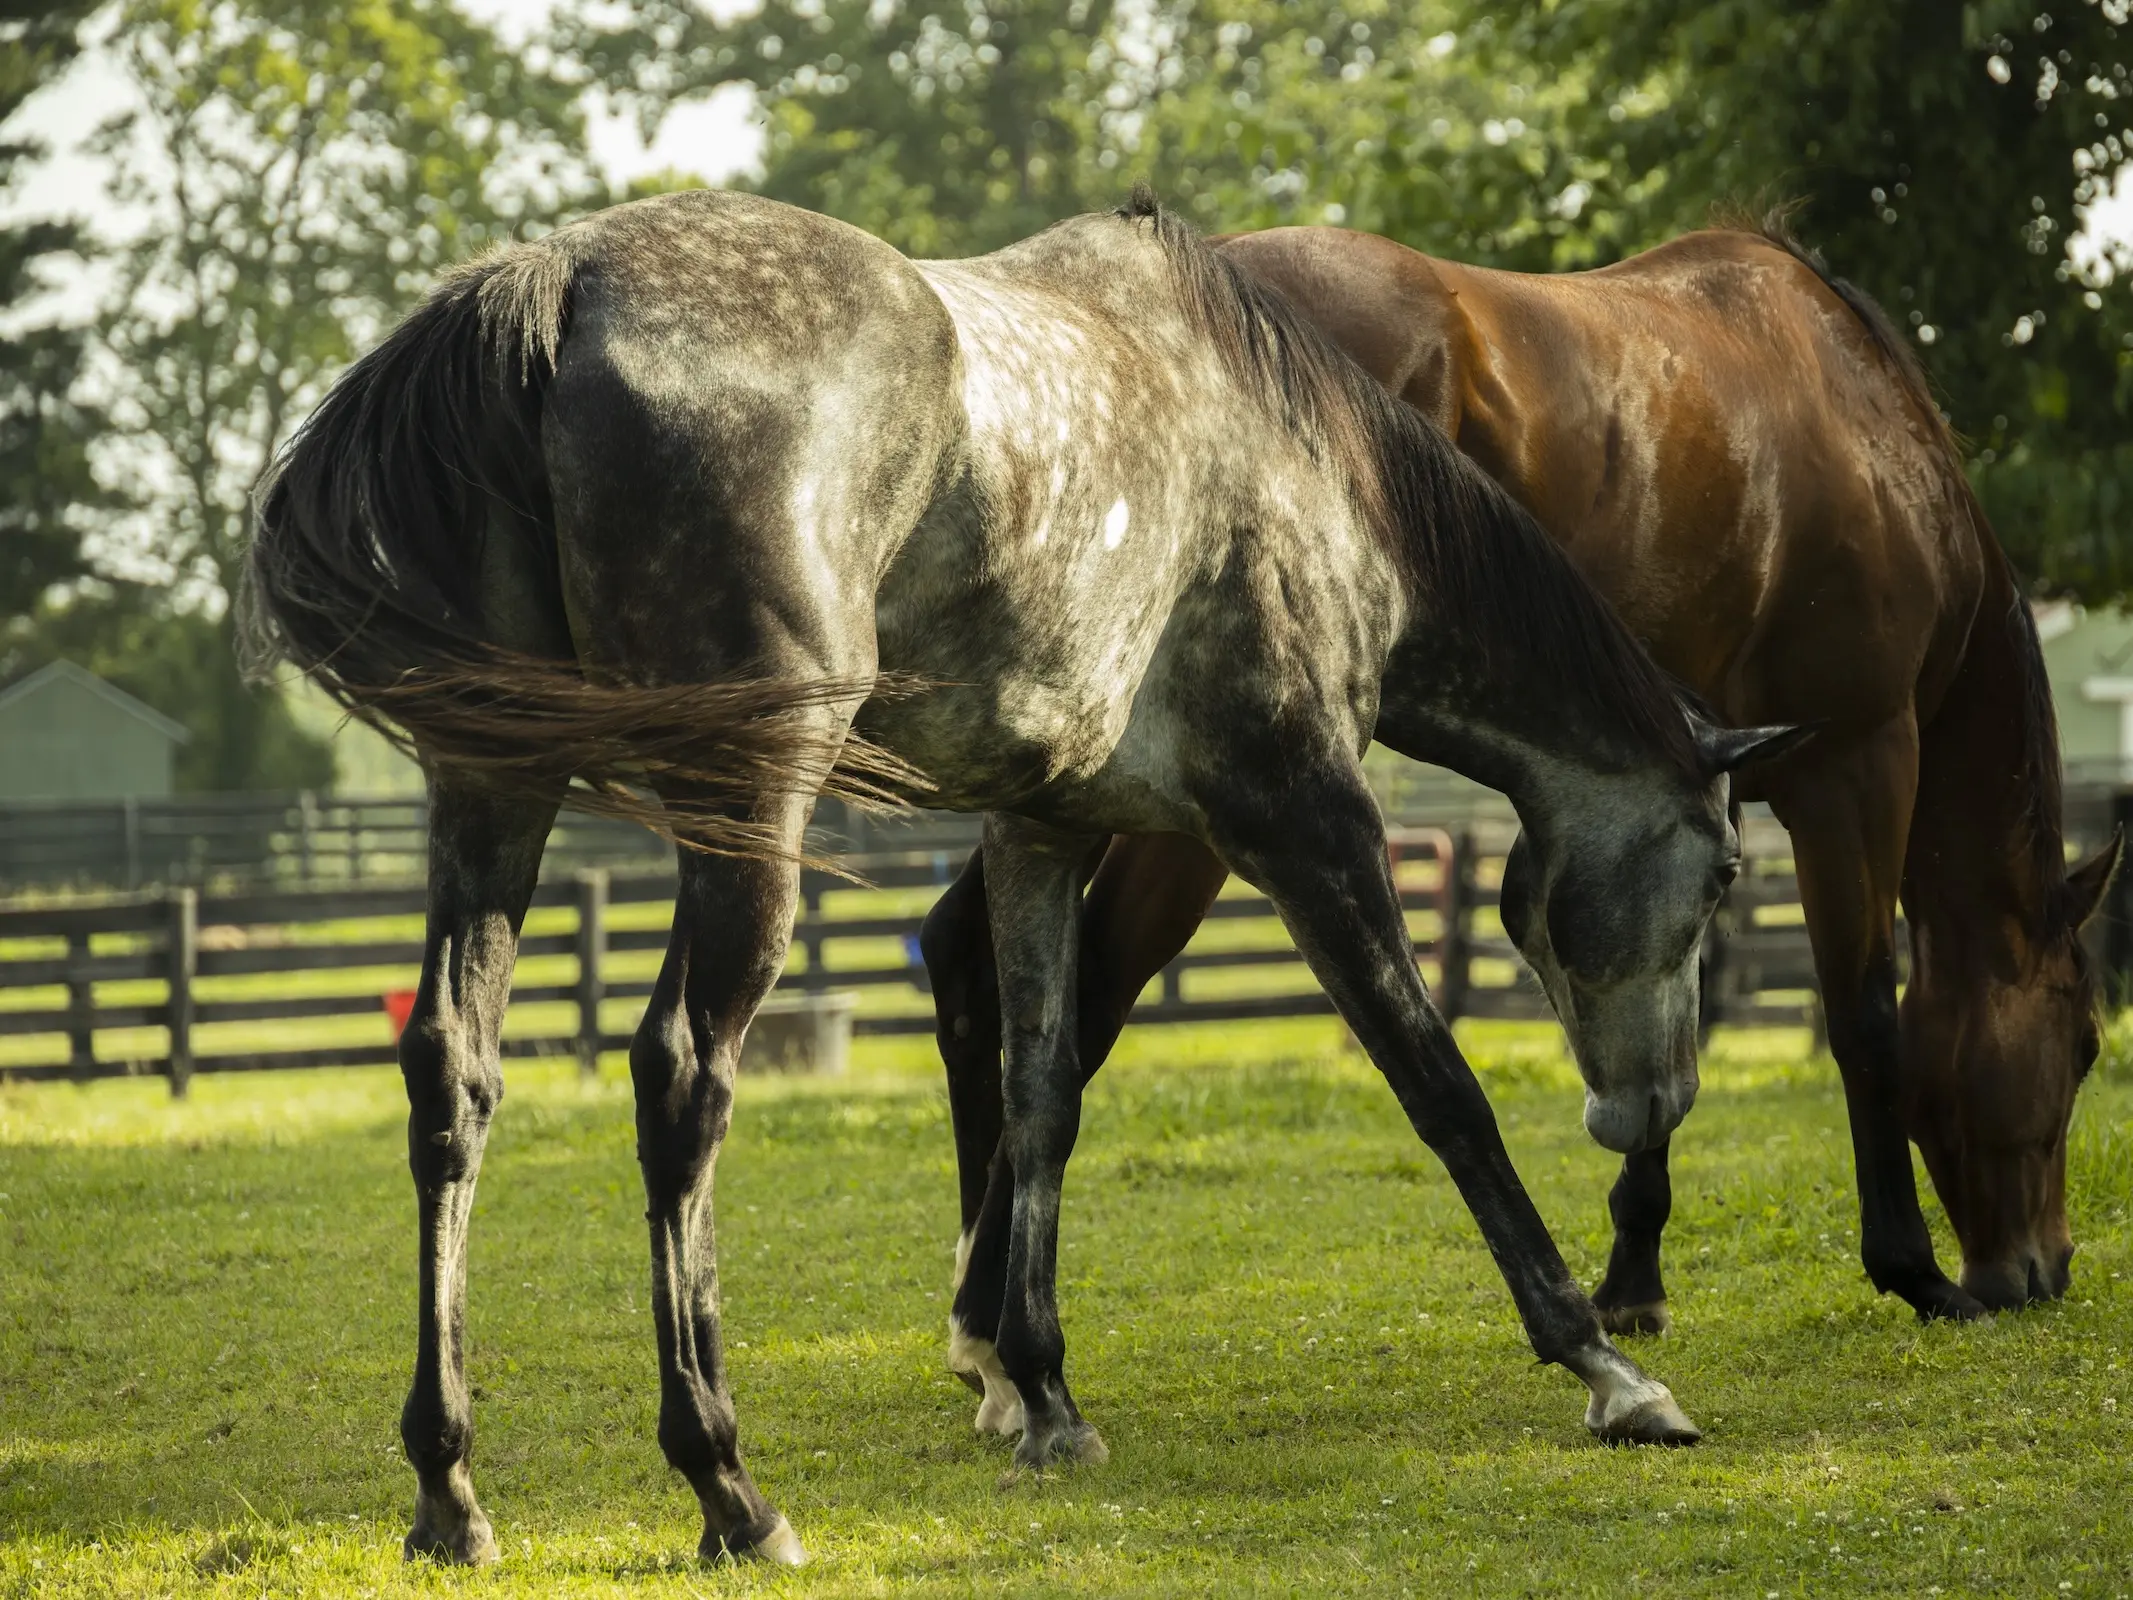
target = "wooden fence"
x: 183, y: 982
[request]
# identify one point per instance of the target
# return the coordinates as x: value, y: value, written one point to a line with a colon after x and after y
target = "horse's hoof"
x: 780, y: 1547
x: 1655, y: 1419
x: 449, y: 1525
x: 473, y: 1545
x: 1076, y: 1443
x: 1000, y: 1411
x: 1948, y: 1302
x: 1650, y: 1317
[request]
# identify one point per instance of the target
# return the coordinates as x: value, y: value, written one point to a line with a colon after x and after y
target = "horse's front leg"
x: 1320, y: 857
x: 732, y: 924
x: 1035, y: 900
x: 1632, y: 1294
x: 485, y: 855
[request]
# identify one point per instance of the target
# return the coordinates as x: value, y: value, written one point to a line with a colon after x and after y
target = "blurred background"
x: 210, y: 207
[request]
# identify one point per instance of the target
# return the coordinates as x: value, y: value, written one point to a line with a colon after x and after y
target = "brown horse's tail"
x: 366, y: 572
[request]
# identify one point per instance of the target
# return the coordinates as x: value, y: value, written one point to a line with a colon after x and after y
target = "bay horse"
x: 1744, y: 456
x: 719, y: 498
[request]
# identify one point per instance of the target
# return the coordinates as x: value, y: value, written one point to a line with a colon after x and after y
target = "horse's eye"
x: 1728, y: 870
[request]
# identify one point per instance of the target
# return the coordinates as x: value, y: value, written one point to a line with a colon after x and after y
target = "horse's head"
x: 1608, y: 901
x: 1995, y: 1047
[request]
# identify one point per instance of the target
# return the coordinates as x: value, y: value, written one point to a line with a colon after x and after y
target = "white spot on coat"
x: 1115, y: 521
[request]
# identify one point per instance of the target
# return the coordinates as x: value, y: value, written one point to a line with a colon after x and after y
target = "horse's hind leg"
x: 1147, y: 897
x: 1035, y: 905
x: 485, y: 854
x: 732, y: 924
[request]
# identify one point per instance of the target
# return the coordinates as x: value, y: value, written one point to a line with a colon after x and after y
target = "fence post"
x: 1714, y: 974
x: 181, y: 959
x: 2118, y: 918
x: 81, y: 1008
x: 307, y: 836
x: 1455, y: 946
x: 133, y: 843
x: 816, y: 977
x: 592, y: 949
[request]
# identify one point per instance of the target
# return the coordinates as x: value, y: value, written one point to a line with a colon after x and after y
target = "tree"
x: 945, y: 131
x: 310, y: 165
x: 1942, y: 152
x: 306, y: 166
x: 46, y: 481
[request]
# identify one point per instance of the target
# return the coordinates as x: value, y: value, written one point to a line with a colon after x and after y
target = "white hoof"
x: 1628, y: 1407
x: 1001, y: 1410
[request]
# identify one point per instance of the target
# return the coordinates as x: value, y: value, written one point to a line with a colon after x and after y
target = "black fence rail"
x: 238, y: 841
x: 182, y: 982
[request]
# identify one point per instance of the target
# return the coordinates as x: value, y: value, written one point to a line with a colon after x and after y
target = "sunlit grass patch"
x: 1278, y: 1312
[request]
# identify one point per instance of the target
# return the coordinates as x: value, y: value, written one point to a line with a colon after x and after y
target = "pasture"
x: 1278, y: 1313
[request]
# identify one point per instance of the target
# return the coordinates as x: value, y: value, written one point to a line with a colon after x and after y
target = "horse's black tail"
x: 365, y: 572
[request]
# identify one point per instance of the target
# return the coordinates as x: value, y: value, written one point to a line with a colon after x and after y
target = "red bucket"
x: 399, y: 1006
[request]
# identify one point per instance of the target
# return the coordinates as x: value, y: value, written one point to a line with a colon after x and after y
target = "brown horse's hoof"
x: 778, y: 1547
x: 1651, y: 1317
x: 1947, y: 1302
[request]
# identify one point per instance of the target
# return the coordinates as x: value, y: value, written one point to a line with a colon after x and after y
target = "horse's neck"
x: 1501, y: 725
x: 1985, y: 845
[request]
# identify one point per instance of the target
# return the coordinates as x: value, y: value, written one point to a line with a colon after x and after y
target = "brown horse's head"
x: 1994, y: 1052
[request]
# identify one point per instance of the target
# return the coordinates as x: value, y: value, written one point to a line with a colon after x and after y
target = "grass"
x: 1277, y: 1311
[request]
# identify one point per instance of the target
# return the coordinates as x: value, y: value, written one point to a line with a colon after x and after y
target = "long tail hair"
x: 365, y: 573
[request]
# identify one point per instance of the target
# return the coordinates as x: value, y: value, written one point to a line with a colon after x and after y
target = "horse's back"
x: 1714, y: 437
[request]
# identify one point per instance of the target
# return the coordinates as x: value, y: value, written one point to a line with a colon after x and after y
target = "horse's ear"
x: 1731, y: 749
x: 2088, y: 883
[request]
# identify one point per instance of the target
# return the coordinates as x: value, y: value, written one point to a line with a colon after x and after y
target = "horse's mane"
x: 1469, y: 552
x: 2040, y: 769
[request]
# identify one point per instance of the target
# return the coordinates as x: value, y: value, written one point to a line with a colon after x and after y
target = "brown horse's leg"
x: 1149, y: 893
x: 732, y: 924
x: 1848, y: 811
x: 485, y: 853
x: 1632, y: 1296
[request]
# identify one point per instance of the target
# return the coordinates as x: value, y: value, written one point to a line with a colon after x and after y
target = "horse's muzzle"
x: 1638, y: 1120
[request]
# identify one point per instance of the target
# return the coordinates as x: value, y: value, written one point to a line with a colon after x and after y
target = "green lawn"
x: 1278, y: 1313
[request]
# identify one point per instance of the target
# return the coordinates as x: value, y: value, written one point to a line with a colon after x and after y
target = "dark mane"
x: 1470, y: 552
x: 2040, y: 769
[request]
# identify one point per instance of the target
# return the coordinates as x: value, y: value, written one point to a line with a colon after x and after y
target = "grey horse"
x: 720, y: 501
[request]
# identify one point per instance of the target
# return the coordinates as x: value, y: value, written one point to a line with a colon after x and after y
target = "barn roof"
x: 59, y: 672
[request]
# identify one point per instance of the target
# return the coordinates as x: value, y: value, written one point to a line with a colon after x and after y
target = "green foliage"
x: 45, y: 431
x: 945, y: 130
x: 1276, y: 1309
x: 183, y: 663
x: 1941, y: 153
x: 310, y: 165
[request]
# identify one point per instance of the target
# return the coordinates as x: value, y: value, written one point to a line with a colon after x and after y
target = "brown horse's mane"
x: 2040, y: 769
x: 1468, y: 551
